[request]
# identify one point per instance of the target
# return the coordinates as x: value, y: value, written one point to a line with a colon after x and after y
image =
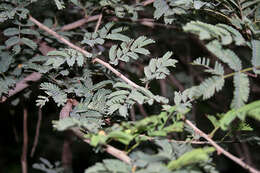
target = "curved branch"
x: 220, y: 150
x: 87, y: 54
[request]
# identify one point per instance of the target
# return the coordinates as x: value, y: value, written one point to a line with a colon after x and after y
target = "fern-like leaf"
x: 256, y: 55
x: 158, y: 68
x: 211, y: 85
x: 241, y: 92
x: 59, y: 96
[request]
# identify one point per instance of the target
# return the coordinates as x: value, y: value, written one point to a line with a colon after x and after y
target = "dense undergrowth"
x: 137, y: 80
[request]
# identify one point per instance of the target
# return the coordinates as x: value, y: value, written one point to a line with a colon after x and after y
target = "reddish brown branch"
x: 147, y: 2
x: 98, y: 22
x: 80, y: 23
x: 220, y: 150
x: 109, y: 149
x: 25, y: 142
x: 87, y: 54
x: 38, y: 126
x: 67, y: 154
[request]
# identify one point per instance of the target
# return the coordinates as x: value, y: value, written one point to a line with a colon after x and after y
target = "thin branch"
x: 40, y: 25
x: 120, y: 75
x: 80, y: 23
x: 108, y: 148
x: 220, y: 150
x: 98, y: 22
x: 38, y: 126
x: 141, y: 109
x: 45, y: 28
x: 25, y: 142
x: 67, y: 154
x: 176, y: 83
x: 147, y: 2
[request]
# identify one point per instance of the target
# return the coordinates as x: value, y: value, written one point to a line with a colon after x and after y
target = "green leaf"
x: 256, y: 55
x: 228, y: 117
x: 29, y: 32
x: 12, y: 41
x: 137, y: 96
x: 195, y: 156
x: 211, y: 85
x: 60, y: 4
x: 142, y: 51
x: 123, y: 111
x: 120, y: 136
x: 117, y: 166
x: 29, y: 43
x: 241, y: 91
x: 118, y: 36
x: 5, y: 61
x: 59, y: 96
x: 11, y: 31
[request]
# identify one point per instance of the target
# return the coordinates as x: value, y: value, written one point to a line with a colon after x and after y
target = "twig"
x: 163, y: 87
x: 147, y: 2
x: 67, y: 154
x: 79, y: 23
x: 25, y: 142
x: 220, y: 150
x: 98, y: 22
x: 142, y: 111
x: 120, y: 75
x: 175, y: 82
x: 38, y: 126
x: 132, y: 113
x: 45, y: 28
x: 108, y: 148
x: 40, y: 25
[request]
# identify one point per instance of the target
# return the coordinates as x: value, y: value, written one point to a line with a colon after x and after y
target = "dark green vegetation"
x: 129, y: 86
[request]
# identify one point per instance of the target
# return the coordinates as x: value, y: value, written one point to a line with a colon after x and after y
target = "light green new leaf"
x: 195, y: 156
x: 228, y: 117
x: 120, y: 136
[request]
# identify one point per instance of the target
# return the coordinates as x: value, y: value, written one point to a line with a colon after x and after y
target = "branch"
x: 108, y: 148
x: 220, y: 150
x: 79, y: 23
x: 38, y: 126
x: 87, y: 54
x: 25, y: 142
x: 98, y: 22
x: 147, y: 2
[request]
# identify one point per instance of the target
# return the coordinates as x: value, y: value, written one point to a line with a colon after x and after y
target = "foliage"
x: 111, y: 69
